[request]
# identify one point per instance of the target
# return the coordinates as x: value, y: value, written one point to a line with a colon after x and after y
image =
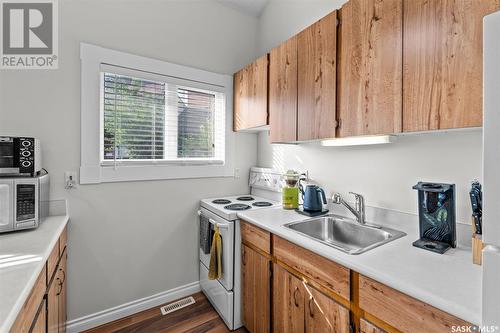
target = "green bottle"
x: 290, y: 192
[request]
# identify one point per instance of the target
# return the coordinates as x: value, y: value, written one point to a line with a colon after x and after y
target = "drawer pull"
x: 311, y: 309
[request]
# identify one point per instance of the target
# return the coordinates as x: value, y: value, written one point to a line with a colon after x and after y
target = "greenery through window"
x: 153, y: 120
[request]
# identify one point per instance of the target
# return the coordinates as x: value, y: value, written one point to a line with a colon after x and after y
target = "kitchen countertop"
x: 22, y: 257
x: 450, y: 281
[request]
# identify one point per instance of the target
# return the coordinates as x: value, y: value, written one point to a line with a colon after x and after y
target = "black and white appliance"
x: 19, y: 156
x: 225, y: 293
x: 23, y: 202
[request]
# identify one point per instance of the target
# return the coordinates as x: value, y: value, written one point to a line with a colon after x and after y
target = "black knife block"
x: 436, y: 212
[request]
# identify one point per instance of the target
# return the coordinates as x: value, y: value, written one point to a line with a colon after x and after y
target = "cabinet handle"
x: 295, y: 296
x: 64, y: 275
x: 60, y: 287
x: 311, y: 309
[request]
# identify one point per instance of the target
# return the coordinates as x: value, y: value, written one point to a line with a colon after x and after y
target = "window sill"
x: 123, y: 173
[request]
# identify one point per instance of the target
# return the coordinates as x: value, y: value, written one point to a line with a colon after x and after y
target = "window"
x: 147, y: 119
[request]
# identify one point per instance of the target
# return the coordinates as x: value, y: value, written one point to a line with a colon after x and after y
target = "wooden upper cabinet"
x: 323, y: 314
x: 250, y: 95
x: 370, y: 62
x: 443, y: 63
x: 283, y: 92
x: 317, y: 52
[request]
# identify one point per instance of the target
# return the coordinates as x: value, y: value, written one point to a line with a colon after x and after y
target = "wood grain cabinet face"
x: 62, y: 297
x: 283, y: 92
x: 402, y: 311
x: 250, y: 95
x: 317, y: 51
x: 256, y: 283
x: 367, y: 327
x: 288, y: 302
x: 39, y: 323
x: 53, y: 305
x: 370, y: 62
x: 443, y: 63
x: 323, y: 314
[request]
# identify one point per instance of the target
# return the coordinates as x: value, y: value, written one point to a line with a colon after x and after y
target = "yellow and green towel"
x: 215, y: 267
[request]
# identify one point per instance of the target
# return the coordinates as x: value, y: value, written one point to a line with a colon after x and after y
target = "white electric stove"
x: 225, y: 293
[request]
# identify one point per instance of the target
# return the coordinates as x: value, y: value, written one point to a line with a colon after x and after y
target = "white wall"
x: 383, y: 174
x: 281, y: 19
x: 127, y: 240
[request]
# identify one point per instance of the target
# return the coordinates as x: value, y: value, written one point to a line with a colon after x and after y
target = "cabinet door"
x: 367, y: 327
x: 316, y: 56
x: 39, y: 324
x: 283, y: 92
x: 250, y: 95
x: 288, y: 302
x: 443, y: 65
x: 256, y: 279
x: 53, y: 304
x: 62, y: 293
x: 370, y: 74
x: 323, y: 314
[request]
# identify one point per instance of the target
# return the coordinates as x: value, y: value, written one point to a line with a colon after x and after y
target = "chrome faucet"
x: 359, y: 207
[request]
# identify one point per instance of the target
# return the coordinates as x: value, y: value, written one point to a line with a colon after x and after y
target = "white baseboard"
x: 127, y: 309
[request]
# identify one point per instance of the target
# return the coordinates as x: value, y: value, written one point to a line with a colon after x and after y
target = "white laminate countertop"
x: 450, y: 281
x: 22, y: 257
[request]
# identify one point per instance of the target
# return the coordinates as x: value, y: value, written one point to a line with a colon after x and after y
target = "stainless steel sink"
x: 345, y: 234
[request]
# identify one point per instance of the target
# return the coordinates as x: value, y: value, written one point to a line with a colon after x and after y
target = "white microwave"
x: 24, y: 201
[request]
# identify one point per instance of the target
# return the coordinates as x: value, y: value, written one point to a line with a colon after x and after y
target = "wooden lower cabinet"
x: 41, y: 318
x: 298, y: 307
x: 62, y: 297
x: 323, y: 314
x: 45, y: 309
x: 288, y: 302
x: 56, y: 299
x: 256, y: 282
x: 310, y: 293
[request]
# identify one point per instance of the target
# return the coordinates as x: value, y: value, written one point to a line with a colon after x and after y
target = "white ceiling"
x: 250, y: 7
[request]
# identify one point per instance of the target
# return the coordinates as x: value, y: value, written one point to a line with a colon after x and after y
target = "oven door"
x: 6, y: 205
x: 226, y: 229
x: 9, y: 156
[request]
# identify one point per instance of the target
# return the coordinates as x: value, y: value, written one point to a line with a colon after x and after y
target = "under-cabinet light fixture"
x: 359, y: 141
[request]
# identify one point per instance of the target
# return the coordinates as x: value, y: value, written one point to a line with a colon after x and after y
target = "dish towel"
x: 215, y: 267
x: 205, y: 233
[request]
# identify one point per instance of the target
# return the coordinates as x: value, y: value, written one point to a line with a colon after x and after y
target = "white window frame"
x: 92, y: 170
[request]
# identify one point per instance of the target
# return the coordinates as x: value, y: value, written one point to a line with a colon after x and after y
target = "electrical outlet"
x: 69, y: 179
x: 237, y: 173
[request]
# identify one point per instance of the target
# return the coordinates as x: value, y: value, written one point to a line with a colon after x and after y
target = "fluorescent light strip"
x: 358, y: 141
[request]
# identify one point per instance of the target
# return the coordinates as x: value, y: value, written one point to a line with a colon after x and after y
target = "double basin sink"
x: 345, y: 234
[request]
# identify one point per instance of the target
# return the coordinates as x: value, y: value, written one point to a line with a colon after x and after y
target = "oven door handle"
x: 212, y: 221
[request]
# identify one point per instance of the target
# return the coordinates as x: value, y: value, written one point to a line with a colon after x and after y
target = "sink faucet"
x: 359, y: 207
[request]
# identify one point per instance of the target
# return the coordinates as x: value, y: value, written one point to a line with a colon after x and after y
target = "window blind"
x: 160, y: 120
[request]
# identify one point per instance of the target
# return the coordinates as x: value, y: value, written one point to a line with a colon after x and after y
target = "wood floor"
x: 197, y: 318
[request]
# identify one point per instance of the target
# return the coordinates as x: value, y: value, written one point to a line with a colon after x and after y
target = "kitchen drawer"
x: 30, y: 308
x: 256, y: 236
x: 63, y: 240
x: 52, y: 262
x: 402, y: 311
x: 317, y: 268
